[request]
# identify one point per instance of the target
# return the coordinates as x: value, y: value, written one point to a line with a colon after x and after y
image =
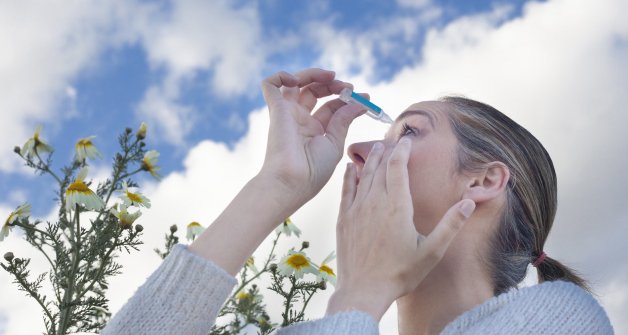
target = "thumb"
x: 338, y: 125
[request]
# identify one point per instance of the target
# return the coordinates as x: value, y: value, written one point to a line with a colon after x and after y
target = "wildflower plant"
x: 294, y: 277
x: 94, y: 225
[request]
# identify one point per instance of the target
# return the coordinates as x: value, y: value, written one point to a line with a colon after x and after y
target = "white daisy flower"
x: 126, y: 219
x: 325, y: 272
x: 287, y: 227
x: 133, y: 199
x: 149, y: 163
x: 21, y: 212
x: 250, y: 264
x: 296, y: 264
x: 79, y: 193
x: 35, y: 145
x: 194, y: 229
x: 85, y: 148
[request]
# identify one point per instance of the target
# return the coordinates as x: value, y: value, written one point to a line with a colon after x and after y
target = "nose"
x: 358, y: 152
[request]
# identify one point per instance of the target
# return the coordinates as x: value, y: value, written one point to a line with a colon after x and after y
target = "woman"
x: 442, y: 216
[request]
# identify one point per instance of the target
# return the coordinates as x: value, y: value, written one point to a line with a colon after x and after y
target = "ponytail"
x: 549, y: 269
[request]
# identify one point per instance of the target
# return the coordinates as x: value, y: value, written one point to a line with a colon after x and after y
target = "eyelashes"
x: 407, y: 130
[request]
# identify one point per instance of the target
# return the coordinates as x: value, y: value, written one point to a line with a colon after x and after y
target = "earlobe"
x: 489, y: 183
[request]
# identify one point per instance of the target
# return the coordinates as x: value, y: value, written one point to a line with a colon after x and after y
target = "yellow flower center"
x: 297, y: 261
x: 327, y: 269
x: 84, y: 142
x: 243, y: 295
x: 78, y: 186
x: 134, y: 198
x: 194, y: 224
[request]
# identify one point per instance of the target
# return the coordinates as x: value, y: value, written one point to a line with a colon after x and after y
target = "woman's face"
x: 435, y: 184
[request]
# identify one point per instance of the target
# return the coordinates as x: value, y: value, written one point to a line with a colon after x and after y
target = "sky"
x: 191, y: 71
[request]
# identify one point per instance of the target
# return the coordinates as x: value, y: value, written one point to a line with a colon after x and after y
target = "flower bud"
x: 305, y: 244
x: 272, y: 267
x: 174, y: 228
x: 139, y: 228
x: 141, y: 133
x: 8, y: 256
x: 128, y: 130
x: 142, y: 144
x: 17, y: 150
x: 18, y: 261
x: 322, y: 285
x: 254, y: 286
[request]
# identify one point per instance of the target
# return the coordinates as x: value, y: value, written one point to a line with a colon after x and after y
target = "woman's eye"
x: 407, y: 130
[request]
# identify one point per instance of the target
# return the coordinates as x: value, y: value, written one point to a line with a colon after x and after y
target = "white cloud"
x: 171, y: 120
x: 45, y: 46
x: 199, y: 39
x: 48, y: 45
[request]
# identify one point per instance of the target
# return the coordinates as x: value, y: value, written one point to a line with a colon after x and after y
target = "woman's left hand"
x: 381, y: 256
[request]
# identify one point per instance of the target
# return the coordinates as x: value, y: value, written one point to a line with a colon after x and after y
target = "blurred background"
x: 191, y: 71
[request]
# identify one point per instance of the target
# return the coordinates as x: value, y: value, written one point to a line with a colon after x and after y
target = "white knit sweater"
x: 184, y: 295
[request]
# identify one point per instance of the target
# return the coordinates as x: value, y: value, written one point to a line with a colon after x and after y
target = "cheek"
x: 432, y: 187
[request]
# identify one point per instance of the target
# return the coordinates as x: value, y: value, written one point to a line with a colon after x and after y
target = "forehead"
x: 435, y: 111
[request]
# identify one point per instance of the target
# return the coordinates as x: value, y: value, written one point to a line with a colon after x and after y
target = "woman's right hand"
x: 381, y: 256
x: 303, y: 149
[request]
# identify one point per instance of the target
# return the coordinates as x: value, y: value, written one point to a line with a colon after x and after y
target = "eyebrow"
x: 415, y: 112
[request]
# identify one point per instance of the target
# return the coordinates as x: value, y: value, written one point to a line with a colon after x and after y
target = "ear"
x: 488, y: 183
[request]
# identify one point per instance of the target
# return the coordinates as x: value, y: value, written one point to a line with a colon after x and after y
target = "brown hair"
x: 485, y: 135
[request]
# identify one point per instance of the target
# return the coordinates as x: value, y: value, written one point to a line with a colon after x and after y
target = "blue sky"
x: 191, y: 69
x: 109, y: 87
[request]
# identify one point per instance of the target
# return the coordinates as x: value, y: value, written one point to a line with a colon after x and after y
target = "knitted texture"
x: 184, y: 295
x: 556, y: 307
x: 346, y: 323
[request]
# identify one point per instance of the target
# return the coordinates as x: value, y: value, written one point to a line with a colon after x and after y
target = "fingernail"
x: 349, y: 165
x: 405, y: 141
x: 377, y: 146
x: 467, y: 208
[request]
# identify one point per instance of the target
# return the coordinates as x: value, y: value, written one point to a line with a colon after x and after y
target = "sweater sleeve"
x: 344, y: 323
x: 183, y: 296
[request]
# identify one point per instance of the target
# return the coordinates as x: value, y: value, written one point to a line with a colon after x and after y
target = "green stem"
x: 100, y: 270
x: 264, y: 269
x: 306, y: 302
x: 289, y: 297
x: 35, y: 296
x: 116, y: 178
x: 46, y: 168
x: 32, y: 228
x: 67, y: 297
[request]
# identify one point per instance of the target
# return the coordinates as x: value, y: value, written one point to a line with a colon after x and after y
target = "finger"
x: 338, y: 126
x: 312, y: 75
x: 325, y: 112
x: 368, y: 171
x: 349, y: 187
x: 437, y: 242
x: 314, y: 91
x: 271, y: 86
x: 397, y: 179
